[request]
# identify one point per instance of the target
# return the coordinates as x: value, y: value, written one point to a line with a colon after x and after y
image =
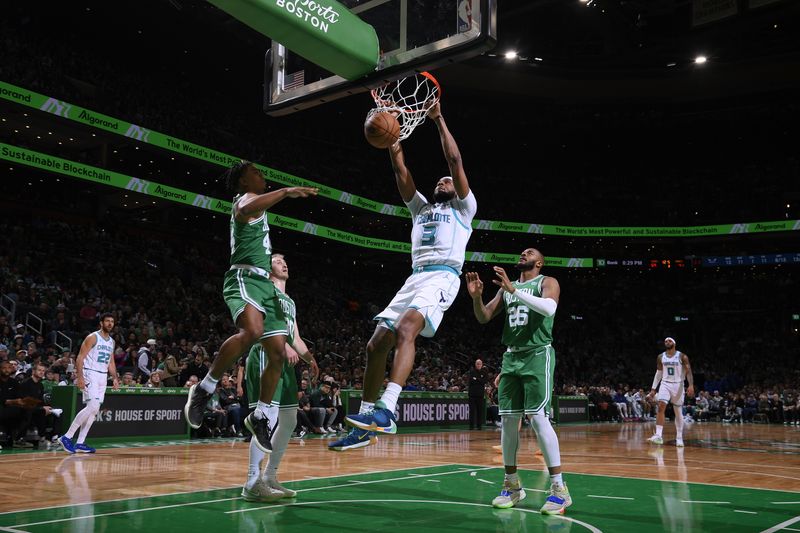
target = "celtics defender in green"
x: 266, y: 488
x: 526, y: 375
x: 250, y: 295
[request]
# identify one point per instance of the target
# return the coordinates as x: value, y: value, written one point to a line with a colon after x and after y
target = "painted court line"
x: 783, y: 503
x: 433, y: 481
x: 131, y: 511
x: 701, y: 501
x: 12, y: 530
x: 485, y: 481
x: 208, y: 489
x: 359, y: 502
x: 225, y: 499
x: 609, y: 497
x: 746, y: 512
x: 782, y: 525
x: 790, y: 529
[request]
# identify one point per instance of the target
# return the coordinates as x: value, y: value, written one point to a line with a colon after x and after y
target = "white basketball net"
x: 408, y: 99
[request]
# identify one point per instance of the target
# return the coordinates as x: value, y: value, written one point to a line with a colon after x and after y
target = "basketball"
x: 382, y: 130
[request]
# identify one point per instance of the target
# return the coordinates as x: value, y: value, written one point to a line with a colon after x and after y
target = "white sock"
x: 390, y: 395
x: 261, y: 411
x: 509, y: 439
x: 287, y: 420
x: 557, y: 480
x: 87, y: 424
x: 80, y: 418
x: 659, y: 429
x: 209, y: 383
x: 679, y: 420
x: 512, y: 478
x: 366, y: 407
x: 548, y: 440
x: 254, y: 469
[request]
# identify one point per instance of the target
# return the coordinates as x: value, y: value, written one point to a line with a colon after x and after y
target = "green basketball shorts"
x: 526, y: 381
x: 285, y: 393
x: 242, y: 287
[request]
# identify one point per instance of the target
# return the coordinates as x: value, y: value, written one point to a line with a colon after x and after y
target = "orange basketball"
x: 382, y: 130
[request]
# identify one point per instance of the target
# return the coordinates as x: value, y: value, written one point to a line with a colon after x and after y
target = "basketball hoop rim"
x: 426, y: 74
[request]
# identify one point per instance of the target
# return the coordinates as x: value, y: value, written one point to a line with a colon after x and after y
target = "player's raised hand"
x: 435, y: 111
x: 301, y: 192
x: 474, y: 285
x: 502, y: 280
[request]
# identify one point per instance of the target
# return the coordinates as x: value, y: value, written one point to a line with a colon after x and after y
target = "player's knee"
x: 93, y: 407
x: 406, y: 332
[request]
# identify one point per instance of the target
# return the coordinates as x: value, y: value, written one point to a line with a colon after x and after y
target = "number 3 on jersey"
x: 428, y: 235
x: 517, y: 316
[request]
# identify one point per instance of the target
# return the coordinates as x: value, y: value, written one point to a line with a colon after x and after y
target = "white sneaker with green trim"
x: 558, y: 501
x: 511, y: 494
x: 655, y: 439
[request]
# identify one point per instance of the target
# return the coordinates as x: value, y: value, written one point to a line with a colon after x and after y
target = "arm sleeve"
x: 416, y: 203
x: 656, y: 379
x: 543, y: 306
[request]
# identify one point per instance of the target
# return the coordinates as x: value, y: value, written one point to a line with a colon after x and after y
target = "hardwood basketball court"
x: 728, y: 478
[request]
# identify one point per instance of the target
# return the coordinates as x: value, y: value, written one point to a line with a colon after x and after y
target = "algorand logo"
x: 739, y: 228
x: 318, y: 14
x: 536, y: 228
x: 138, y: 133
x: 138, y: 185
x: 310, y: 228
x: 346, y: 197
x: 387, y: 209
x: 575, y: 262
x: 796, y: 225
x: 484, y: 225
x: 201, y: 201
x: 56, y: 107
x: 479, y: 257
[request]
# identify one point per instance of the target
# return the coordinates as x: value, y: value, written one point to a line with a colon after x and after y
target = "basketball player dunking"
x: 671, y: 368
x: 438, y: 242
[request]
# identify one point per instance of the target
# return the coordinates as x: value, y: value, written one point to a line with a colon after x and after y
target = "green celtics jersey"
x: 290, y: 312
x: 250, y: 243
x: 525, y: 327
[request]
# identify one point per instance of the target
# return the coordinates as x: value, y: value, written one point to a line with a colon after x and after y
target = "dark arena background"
x: 648, y: 149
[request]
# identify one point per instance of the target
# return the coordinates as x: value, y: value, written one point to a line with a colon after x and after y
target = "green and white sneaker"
x: 511, y: 494
x: 558, y: 501
x: 679, y: 443
x: 261, y: 492
x: 655, y: 439
x: 287, y: 493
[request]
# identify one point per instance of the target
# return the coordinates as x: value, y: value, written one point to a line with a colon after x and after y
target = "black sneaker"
x: 196, y: 406
x: 260, y: 429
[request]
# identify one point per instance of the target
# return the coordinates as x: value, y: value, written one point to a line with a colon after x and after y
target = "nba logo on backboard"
x: 464, y: 15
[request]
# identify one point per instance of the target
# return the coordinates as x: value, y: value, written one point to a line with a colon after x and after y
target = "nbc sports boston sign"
x: 319, y: 15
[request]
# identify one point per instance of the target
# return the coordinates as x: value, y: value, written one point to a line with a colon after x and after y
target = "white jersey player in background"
x: 95, y: 361
x: 438, y: 245
x: 672, y: 367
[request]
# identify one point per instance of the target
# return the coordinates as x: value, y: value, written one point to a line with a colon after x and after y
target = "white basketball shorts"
x: 95, y: 385
x: 429, y: 292
x: 670, y: 392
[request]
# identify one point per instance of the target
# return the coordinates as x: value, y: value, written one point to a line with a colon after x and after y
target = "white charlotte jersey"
x: 673, y: 370
x: 98, y: 357
x: 441, y: 231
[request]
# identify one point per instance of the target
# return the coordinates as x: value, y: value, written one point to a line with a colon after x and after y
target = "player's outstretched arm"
x: 405, y: 183
x: 687, y: 371
x: 484, y: 313
x: 545, y: 305
x: 252, y: 204
x: 451, y: 152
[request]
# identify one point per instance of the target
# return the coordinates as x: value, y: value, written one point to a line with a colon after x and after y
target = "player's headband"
x: 670, y: 339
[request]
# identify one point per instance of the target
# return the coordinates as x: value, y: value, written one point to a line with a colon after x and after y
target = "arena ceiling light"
x: 511, y: 54
x: 699, y: 60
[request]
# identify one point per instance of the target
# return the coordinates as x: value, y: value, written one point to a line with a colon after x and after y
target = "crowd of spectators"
x: 170, y: 321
